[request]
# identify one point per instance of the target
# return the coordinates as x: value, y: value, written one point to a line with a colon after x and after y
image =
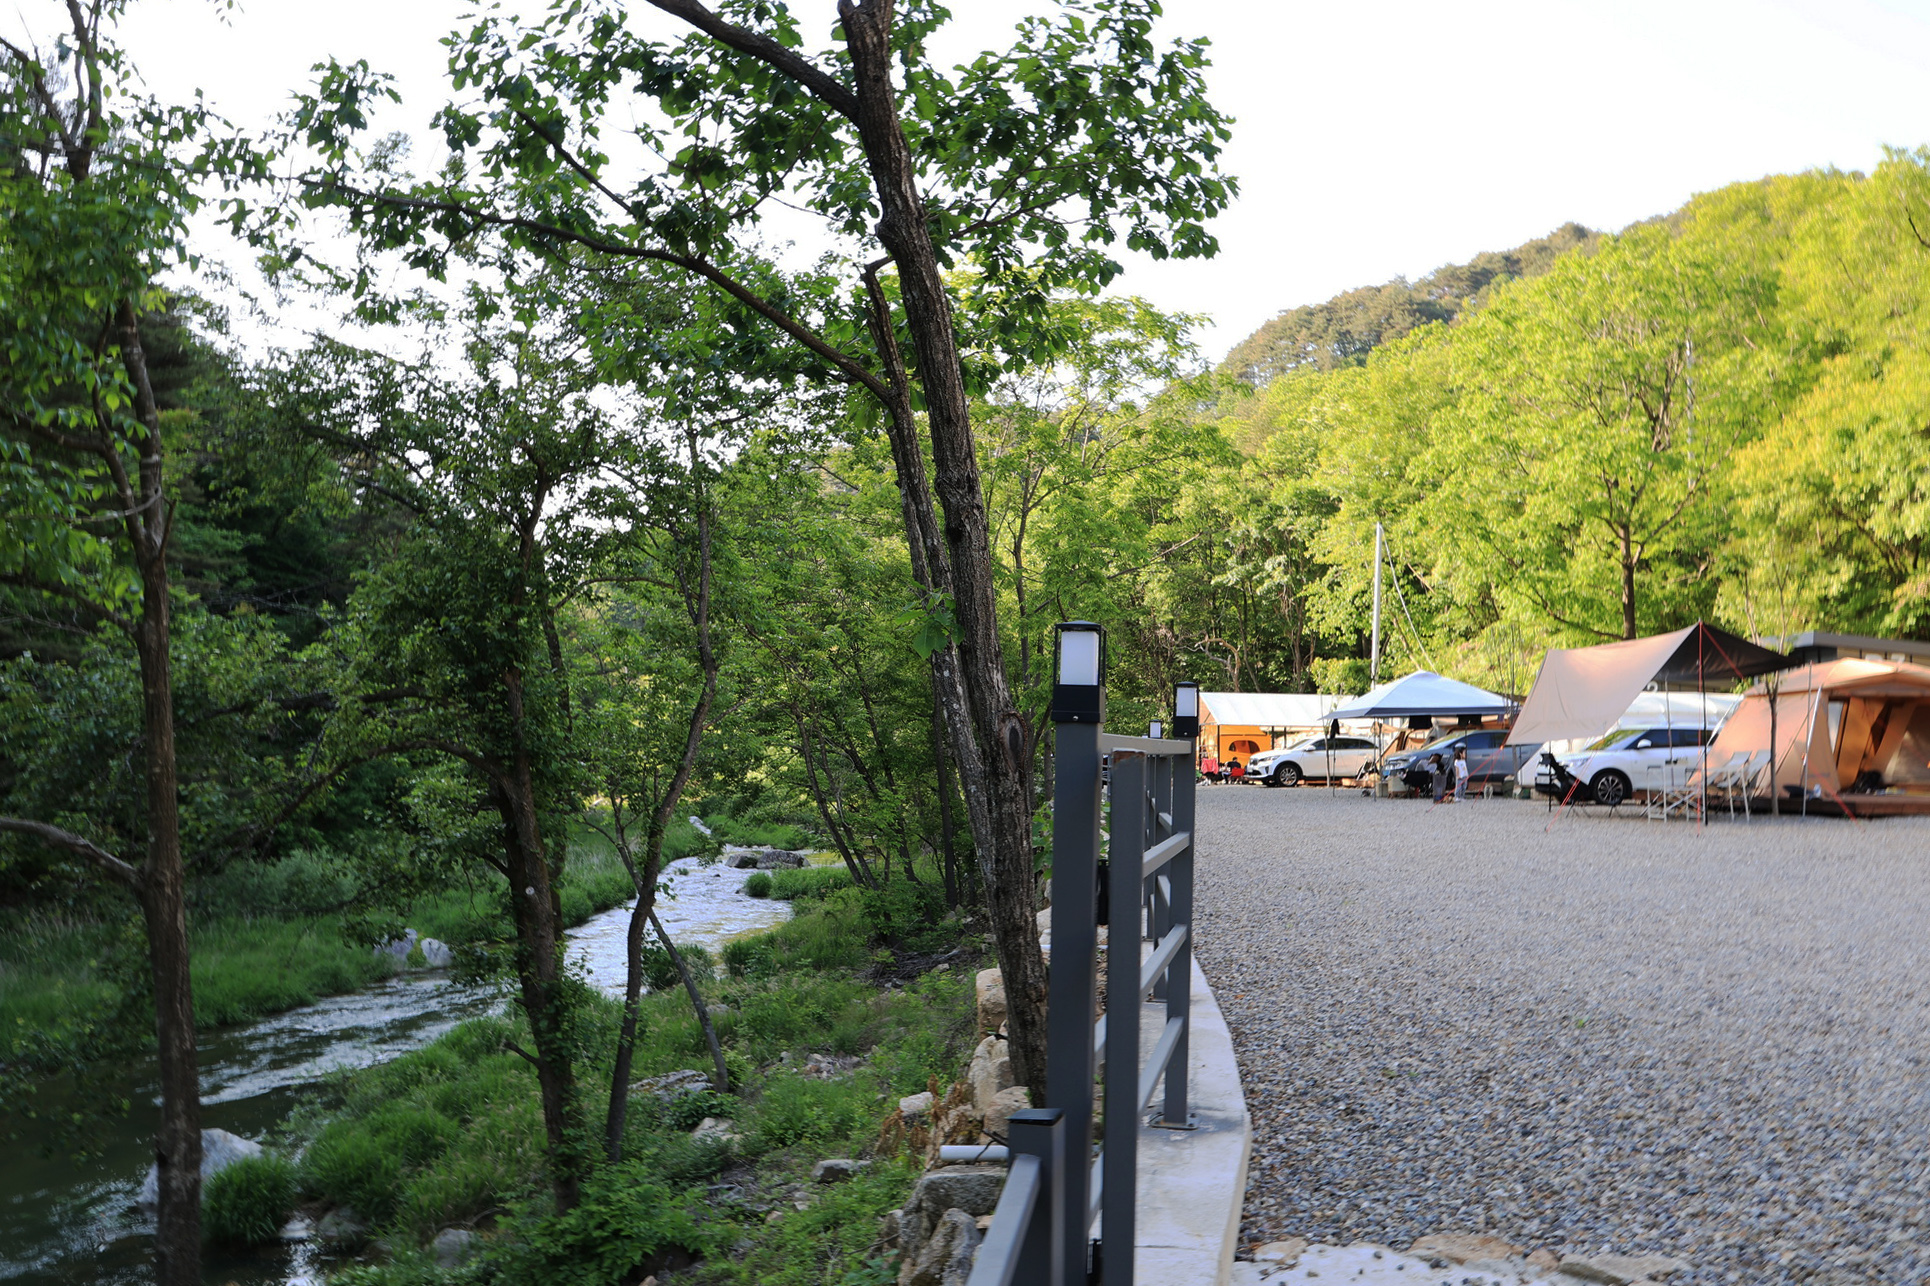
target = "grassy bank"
x: 451, y: 1136
x: 254, y: 952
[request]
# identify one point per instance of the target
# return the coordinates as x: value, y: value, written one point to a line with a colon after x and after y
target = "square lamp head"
x: 1079, y: 690
x: 1186, y: 709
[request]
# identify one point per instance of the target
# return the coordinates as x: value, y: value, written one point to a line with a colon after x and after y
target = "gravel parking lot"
x: 1583, y: 1032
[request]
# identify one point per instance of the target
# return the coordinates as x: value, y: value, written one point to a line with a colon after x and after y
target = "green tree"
x: 96, y: 180
x: 1031, y: 164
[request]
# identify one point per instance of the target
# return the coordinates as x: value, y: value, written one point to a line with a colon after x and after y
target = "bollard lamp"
x: 1079, y: 688
x: 1186, y: 709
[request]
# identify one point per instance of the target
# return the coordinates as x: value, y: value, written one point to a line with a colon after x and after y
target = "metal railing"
x: 1058, y: 1188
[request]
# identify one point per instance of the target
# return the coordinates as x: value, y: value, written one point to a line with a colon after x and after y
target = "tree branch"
x: 834, y: 95
x: 78, y: 845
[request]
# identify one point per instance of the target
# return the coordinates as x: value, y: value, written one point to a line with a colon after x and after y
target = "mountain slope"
x: 1343, y: 330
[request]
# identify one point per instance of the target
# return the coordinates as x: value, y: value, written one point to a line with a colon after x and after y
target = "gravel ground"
x: 1589, y: 1033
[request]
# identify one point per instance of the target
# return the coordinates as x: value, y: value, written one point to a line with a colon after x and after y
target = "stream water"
x: 65, y: 1222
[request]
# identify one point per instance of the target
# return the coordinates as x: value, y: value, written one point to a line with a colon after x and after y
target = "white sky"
x: 1372, y: 139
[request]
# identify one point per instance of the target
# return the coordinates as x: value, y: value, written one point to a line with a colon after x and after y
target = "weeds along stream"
x: 71, y: 1221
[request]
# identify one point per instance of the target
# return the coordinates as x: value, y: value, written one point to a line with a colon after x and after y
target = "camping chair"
x: 1730, y: 774
x: 1564, y: 786
x: 1672, y: 788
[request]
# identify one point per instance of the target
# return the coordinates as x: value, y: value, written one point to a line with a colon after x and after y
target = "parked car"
x: 1290, y: 765
x: 1614, y: 767
x: 1488, y: 759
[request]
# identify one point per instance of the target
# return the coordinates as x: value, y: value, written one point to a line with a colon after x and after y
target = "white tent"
x: 1271, y: 709
x: 1424, y: 693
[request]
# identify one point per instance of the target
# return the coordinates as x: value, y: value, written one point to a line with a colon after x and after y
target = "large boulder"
x: 779, y: 859
x: 398, y: 947
x: 743, y: 859
x: 342, y: 1224
x: 991, y: 1071
x: 454, y: 1247
x: 219, y: 1150
x: 991, y: 1000
x: 916, y: 1108
x: 836, y: 1169
x: 973, y: 1189
x: 436, y: 954
x: 671, y: 1086
x: 945, y: 1258
x: 998, y: 1116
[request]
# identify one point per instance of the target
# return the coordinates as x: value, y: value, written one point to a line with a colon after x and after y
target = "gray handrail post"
x: 1160, y: 800
x: 1040, y: 1132
x: 1179, y: 978
x: 1073, y: 993
x: 1120, y: 1193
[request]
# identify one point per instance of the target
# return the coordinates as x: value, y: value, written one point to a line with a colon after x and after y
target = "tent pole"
x: 1702, y: 697
x: 1809, y: 733
x: 1373, y: 655
x: 1770, y: 683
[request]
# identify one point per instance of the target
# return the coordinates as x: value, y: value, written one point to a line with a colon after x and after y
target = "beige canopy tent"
x: 1836, y: 724
x: 1582, y: 691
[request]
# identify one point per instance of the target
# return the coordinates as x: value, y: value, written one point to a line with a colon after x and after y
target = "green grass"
x: 452, y: 1132
x: 58, y: 972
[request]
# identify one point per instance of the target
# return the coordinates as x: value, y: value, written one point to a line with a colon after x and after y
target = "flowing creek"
x: 64, y: 1223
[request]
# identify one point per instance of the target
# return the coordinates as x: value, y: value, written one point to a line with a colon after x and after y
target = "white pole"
x: 1373, y: 662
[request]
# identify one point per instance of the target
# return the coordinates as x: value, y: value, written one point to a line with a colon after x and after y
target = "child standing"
x: 1460, y: 773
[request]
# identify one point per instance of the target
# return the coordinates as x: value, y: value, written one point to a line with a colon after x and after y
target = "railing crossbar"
x: 998, y: 1255
x: 1163, y: 852
x: 1162, y: 1055
x: 1155, y: 967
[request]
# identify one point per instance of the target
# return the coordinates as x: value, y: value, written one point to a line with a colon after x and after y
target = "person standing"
x: 1460, y: 773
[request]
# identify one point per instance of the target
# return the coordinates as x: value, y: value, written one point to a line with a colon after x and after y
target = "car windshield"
x: 1614, y: 739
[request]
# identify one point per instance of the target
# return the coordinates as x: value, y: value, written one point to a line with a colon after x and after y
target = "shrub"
x: 246, y: 1202
x: 349, y: 1167
x: 794, y: 1108
x: 687, y: 1111
x: 660, y: 971
x: 759, y: 885
x: 807, y: 882
x: 627, y: 1215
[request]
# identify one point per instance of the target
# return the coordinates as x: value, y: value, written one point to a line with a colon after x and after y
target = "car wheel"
x: 1287, y: 774
x: 1610, y: 788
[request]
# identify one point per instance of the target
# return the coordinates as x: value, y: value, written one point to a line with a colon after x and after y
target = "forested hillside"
x: 1721, y: 414
x: 1342, y: 331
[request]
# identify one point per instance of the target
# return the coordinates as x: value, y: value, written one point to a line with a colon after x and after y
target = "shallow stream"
x: 66, y: 1222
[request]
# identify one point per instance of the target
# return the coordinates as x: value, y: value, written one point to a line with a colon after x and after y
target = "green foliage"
x: 660, y: 971
x: 686, y: 1112
x: 627, y: 1215
x: 1342, y: 331
x: 759, y: 885
x: 435, y: 1137
x: 800, y: 1109
x: 247, y: 1202
x: 806, y: 882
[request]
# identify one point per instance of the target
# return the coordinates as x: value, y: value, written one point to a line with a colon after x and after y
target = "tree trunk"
x: 163, y: 890
x: 721, y: 1080
x: 1628, y: 587
x: 991, y: 740
x: 538, y: 915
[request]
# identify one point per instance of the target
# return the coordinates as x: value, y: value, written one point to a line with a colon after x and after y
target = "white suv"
x: 1293, y: 764
x: 1616, y: 766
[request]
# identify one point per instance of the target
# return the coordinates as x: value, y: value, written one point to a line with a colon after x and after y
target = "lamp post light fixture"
x: 1186, y: 709
x: 1079, y: 691
x: 1156, y: 730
